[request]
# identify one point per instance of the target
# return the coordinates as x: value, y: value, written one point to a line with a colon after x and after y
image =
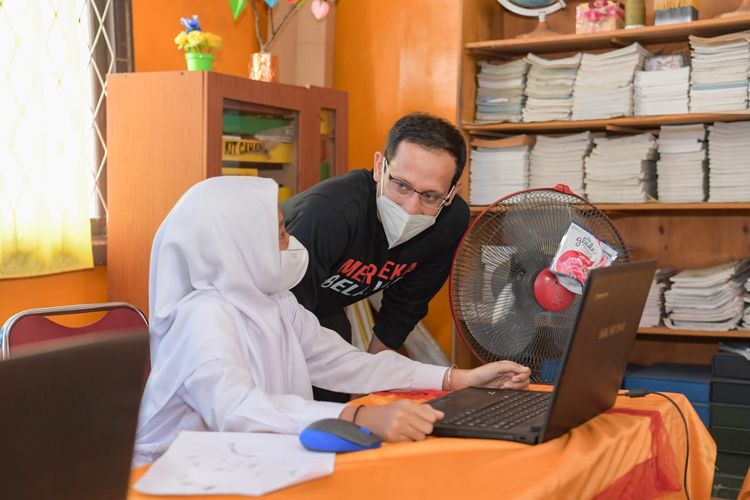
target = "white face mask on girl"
x: 398, y: 225
x: 294, y: 261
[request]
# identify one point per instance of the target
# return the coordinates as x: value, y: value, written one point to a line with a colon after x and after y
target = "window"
x: 54, y: 58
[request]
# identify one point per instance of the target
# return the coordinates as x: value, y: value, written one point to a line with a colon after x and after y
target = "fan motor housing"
x: 550, y: 294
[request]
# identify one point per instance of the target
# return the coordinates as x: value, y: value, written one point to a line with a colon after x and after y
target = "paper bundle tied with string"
x: 578, y: 253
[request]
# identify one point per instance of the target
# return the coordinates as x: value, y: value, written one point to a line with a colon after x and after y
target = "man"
x: 394, y: 229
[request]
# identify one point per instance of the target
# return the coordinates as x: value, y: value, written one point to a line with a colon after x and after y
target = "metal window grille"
x: 110, y: 51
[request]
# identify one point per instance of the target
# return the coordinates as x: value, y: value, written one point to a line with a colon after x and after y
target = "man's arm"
x: 405, y: 302
x: 376, y: 345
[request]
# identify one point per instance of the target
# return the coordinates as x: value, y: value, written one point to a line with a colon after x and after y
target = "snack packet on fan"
x: 578, y: 253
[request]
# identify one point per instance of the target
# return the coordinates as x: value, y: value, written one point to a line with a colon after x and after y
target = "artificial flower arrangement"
x: 197, y: 44
x: 319, y: 9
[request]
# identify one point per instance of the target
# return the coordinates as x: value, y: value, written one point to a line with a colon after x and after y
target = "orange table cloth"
x: 634, y: 450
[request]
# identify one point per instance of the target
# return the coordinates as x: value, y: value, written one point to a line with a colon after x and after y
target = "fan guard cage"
x: 494, y: 269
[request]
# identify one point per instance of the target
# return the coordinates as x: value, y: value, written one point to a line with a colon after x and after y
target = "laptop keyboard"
x: 513, y: 409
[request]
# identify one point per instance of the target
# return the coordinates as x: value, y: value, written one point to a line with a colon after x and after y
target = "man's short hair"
x: 430, y: 132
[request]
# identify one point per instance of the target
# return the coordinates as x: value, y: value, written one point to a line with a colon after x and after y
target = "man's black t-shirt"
x: 337, y: 221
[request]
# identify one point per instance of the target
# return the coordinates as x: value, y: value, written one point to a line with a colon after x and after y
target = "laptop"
x: 590, y: 373
x: 69, y: 415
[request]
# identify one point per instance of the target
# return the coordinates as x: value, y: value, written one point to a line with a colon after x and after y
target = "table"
x: 634, y: 450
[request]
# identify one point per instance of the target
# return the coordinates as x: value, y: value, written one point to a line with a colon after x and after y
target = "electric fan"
x: 505, y: 301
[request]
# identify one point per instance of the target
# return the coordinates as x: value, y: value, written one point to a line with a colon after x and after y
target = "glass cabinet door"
x: 261, y: 140
x: 327, y: 143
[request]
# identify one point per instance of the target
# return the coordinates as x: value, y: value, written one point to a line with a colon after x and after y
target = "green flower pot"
x: 198, y: 61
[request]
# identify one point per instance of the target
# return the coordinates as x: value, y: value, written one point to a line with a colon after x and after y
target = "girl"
x: 232, y: 350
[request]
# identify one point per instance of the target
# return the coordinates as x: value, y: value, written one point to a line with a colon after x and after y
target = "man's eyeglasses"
x: 428, y: 199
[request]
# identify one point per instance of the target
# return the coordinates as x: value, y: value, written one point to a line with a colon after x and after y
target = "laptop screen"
x: 598, y: 351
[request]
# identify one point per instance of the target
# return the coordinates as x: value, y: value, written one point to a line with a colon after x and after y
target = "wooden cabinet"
x: 681, y: 235
x: 168, y: 131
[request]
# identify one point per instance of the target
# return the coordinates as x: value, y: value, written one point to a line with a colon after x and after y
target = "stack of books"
x: 663, y: 87
x: 707, y: 299
x: 719, y: 79
x: 682, y: 169
x: 729, y: 162
x: 653, y: 312
x: 549, y: 88
x: 621, y: 170
x: 557, y: 160
x: 746, y: 314
x: 604, y: 85
x: 500, y: 91
x: 675, y: 11
x: 498, y: 168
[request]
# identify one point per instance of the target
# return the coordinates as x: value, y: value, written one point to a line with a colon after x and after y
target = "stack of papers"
x: 233, y: 463
x: 719, y: 80
x: 662, y: 92
x: 604, y: 86
x: 653, y: 312
x: 621, y: 170
x: 746, y: 315
x: 729, y: 162
x: 707, y: 299
x: 682, y: 169
x: 498, y: 168
x: 549, y: 88
x: 500, y: 91
x: 741, y: 348
x: 557, y: 160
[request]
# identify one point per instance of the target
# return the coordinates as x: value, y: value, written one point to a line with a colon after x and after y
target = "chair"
x: 32, y: 325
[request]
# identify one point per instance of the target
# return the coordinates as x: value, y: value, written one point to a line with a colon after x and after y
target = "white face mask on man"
x: 398, y: 224
x: 294, y: 261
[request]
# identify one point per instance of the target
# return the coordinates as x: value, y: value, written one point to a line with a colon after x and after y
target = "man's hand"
x: 500, y: 374
x: 376, y: 346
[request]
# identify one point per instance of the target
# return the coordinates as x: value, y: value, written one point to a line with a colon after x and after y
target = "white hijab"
x: 215, y: 274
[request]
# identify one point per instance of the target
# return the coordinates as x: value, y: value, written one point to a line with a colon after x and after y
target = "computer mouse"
x: 337, y: 436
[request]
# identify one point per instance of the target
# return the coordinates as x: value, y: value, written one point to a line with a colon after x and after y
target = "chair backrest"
x: 33, y: 325
x: 69, y: 416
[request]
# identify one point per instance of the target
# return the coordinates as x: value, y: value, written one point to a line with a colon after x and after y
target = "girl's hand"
x: 403, y: 420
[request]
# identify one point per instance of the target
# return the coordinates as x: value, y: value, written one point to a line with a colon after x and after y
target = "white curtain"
x: 46, y: 137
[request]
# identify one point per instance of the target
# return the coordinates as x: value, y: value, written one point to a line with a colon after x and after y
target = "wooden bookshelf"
x: 622, y: 124
x: 684, y: 235
x: 663, y: 331
x: 608, y: 39
x: 654, y: 207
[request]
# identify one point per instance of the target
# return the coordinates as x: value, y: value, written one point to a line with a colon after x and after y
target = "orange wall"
x: 156, y: 23
x: 79, y: 287
x: 393, y: 57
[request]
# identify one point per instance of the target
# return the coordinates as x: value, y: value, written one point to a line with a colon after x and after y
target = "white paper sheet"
x: 229, y: 463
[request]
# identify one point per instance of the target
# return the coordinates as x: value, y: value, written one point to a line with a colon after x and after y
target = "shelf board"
x: 668, y: 332
x: 622, y: 124
x: 608, y: 39
x: 652, y: 207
